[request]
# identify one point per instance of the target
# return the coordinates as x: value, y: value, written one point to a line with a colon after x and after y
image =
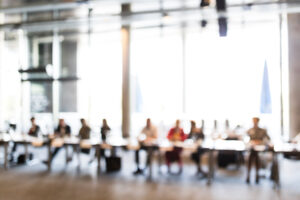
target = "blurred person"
x: 62, y: 130
x: 148, y: 134
x: 197, y: 135
x: 33, y: 131
x: 294, y: 155
x: 84, y: 134
x: 226, y: 158
x: 105, y: 129
x: 258, y: 136
x: 85, y: 130
x: 176, y: 134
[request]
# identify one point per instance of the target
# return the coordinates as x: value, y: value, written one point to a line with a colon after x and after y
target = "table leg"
x: 49, y: 156
x: 210, y: 166
x: 5, y: 154
x: 159, y: 161
x: 67, y: 154
x: 113, y: 152
x: 26, y: 152
x: 78, y: 155
x: 98, y: 154
x: 275, y: 171
x: 150, y: 154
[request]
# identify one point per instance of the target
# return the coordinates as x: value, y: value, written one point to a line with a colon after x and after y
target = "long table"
x: 229, y: 146
x: 20, y: 139
x: 163, y: 145
x: 112, y: 143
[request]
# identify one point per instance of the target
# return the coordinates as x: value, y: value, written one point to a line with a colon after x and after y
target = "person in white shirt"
x: 148, y: 134
x: 294, y: 155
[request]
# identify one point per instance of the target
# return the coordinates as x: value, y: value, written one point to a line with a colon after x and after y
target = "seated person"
x: 85, y: 130
x: 33, y: 131
x: 175, y: 134
x: 296, y: 139
x: 150, y: 133
x: 258, y: 136
x: 197, y: 134
x: 61, y: 131
x: 230, y: 134
x: 294, y: 155
x: 104, y: 130
x: 84, y: 134
x: 226, y: 158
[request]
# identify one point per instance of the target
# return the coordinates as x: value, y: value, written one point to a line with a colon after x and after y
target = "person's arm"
x: 267, y: 136
x: 30, y: 132
x: 80, y: 134
x: 155, y: 134
x: 183, y: 135
x: 140, y: 135
x: 202, y: 136
x: 190, y: 135
x: 248, y: 132
x: 68, y: 130
x: 296, y: 139
x: 57, y: 131
x: 170, y: 134
x: 37, y: 130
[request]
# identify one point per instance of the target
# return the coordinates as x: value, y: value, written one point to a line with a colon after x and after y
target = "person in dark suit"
x: 85, y: 130
x: 196, y: 134
x: 33, y: 131
x: 62, y: 130
x: 84, y: 134
x: 104, y: 130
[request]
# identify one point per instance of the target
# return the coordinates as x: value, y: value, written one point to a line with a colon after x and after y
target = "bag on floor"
x: 226, y: 158
x: 113, y: 164
x: 21, y: 158
x: 85, y: 151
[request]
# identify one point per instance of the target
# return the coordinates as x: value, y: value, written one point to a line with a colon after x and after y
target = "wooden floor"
x: 32, y: 182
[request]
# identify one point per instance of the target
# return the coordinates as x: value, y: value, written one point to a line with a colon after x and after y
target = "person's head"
x: 193, y: 124
x: 104, y: 122
x: 61, y: 122
x: 32, y: 119
x: 83, y: 122
x: 177, y: 123
x: 255, y: 121
x: 148, y: 122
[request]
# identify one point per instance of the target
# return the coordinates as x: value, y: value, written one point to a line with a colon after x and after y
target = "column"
x: 294, y: 72
x: 125, y: 31
x: 1, y: 74
x: 1, y: 82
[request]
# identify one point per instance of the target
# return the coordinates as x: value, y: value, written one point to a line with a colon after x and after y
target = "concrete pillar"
x: 294, y: 72
x: 1, y: 74
x: 125, y: 31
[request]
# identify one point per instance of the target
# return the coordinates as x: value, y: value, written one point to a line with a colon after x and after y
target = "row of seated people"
x: 63, y: 130
x: 257, y: 136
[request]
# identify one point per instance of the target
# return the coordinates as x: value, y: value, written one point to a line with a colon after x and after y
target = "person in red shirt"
x: 175, y: 134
